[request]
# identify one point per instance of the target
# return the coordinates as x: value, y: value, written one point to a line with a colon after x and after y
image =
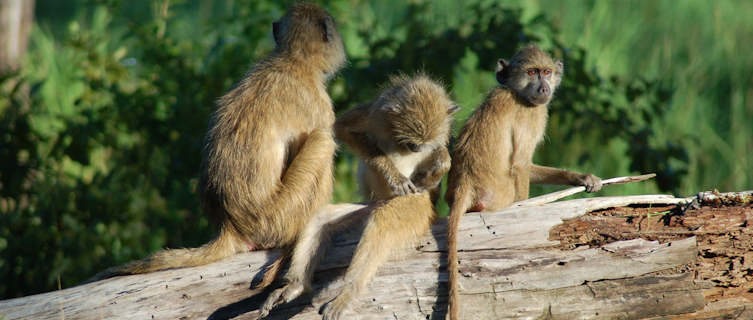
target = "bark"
x: 511, y: 269
x: 16, y: 18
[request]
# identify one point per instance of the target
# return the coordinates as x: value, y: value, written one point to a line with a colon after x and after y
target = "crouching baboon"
x: 401, y: 138
x: 267, y: 162
x: 492, y: 159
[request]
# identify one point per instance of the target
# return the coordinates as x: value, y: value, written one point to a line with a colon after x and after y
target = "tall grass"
x: 700, y: 48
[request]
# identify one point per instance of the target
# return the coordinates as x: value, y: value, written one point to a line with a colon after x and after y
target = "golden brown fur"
x: 411, y: 110
x: 492, y: 159
x: 409, y: 113
x: 267, y: 163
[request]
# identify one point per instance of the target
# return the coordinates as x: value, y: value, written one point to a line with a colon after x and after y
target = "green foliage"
x: 104, y: 160
x: 102, y: 130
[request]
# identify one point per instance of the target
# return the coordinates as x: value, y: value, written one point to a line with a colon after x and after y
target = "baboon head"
x: 419, y: 111
x: 308, y: 33
x: 532, y: 74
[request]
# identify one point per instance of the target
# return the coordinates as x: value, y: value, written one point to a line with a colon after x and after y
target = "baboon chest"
x: 407, y: 163
x: 527, y: 133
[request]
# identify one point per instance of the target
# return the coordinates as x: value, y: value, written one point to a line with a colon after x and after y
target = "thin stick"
x: 554, y: 196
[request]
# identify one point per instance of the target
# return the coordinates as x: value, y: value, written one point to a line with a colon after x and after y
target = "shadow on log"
x: 511, y: 269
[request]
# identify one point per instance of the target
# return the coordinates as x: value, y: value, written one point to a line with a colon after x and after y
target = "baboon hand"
x: 282, y: 295
x: 591, y: 182
x: 334, y: 309
x: 433, y: 176
x: 402, y: 186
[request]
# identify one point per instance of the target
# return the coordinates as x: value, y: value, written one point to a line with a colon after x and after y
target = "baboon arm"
x: 549, y: 175
x: 307, y: 181
x: 351, y: 128
x: 350, y: 124
x: 430, y: 172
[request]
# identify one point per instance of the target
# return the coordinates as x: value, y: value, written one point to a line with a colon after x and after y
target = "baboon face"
x: 419, y: 112
x: 532, y: 74
x: 309, y: 32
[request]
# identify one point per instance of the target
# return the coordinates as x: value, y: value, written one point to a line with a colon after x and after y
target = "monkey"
x: 492, y: 158
x: 401, y: 137
x: 268, y: 155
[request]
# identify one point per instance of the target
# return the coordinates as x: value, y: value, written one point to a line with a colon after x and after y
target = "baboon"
x: 267, y: 161
x: 401, y: 137
x: 492, y: 158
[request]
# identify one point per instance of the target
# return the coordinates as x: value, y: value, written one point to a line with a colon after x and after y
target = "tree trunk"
x: 512, y: 268
x: 16, y: 18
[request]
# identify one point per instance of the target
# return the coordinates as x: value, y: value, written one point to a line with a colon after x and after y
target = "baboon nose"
x: 544, y: 90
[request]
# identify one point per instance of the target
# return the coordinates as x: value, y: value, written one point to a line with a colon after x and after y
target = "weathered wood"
x: 511, y: 270
x: 16, y: 19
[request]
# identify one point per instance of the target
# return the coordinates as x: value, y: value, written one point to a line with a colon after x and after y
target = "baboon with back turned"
x: 267, y: 162
x: 492, y: 158
x: 401, y: 138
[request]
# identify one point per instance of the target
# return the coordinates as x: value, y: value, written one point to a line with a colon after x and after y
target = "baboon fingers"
x: 591, y: 182
x: 411, y: 187
x: 285, y: 294
x: 404, y: 187
x: 335, y: 308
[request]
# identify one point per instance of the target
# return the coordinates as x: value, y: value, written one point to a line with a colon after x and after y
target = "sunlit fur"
x: 416, y: 111
x: 492, y: 158
x: 409, y: 109
x: 516, y: 78
x: 267, y: 163
x: 302, y: 33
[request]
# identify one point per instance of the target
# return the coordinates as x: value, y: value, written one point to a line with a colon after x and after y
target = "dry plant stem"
x: 554, y: 196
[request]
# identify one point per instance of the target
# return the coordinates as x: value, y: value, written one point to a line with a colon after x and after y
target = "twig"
x: 554, y: 196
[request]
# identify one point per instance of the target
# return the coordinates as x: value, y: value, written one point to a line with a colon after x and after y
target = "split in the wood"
x: 720, y: 223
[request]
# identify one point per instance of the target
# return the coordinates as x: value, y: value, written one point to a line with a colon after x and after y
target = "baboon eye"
x: 412, y: 147
x: 531, y: 72
x: 546, y: 72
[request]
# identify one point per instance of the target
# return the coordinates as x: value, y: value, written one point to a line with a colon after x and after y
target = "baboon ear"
x: 276, y: 31
x: 393, y: 107
x: 453, y: 108
x: 502, y: 64
x: 328, y: 28
x: 559, y: 65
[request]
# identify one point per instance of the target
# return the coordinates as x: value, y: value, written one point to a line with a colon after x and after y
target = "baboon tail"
x: 224, y: 245
x: 461, y: 204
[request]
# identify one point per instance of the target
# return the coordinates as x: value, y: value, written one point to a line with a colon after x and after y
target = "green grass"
x: 700, y: 48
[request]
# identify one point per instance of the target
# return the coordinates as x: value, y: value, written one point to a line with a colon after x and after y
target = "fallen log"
x: 511, y: 265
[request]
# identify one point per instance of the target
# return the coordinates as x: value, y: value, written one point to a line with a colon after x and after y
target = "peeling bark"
x: 511, y: 269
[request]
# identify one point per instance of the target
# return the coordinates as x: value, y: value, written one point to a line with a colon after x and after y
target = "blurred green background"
x: 101, y: 127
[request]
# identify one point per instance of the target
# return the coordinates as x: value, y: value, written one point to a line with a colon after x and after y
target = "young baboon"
x: 401, y: 137
x: 492, y: 159
x: 267, y: 162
